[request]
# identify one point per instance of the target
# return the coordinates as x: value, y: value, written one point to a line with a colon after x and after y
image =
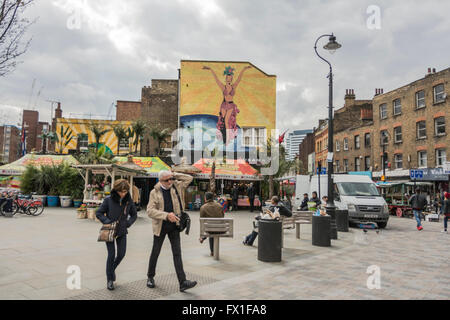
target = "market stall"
x: 227, y: 173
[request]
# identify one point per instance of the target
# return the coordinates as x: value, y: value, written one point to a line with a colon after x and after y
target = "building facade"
x: 305, y: 149
x: 128, y: 110
x: 293, y: 141
x: 411, y: 125
x: 321, y: 144
x: 9, y: 143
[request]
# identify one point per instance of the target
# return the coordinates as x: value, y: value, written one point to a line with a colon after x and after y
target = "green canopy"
x: 18, y: 167
x: 153, y: 165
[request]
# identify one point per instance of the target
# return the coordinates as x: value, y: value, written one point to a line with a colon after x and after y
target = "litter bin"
x: 342, y: 220
x: 321, y: 231
x: 269, y: 240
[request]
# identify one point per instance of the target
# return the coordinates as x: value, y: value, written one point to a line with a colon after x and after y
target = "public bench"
x: 301, y: 217
x: 216, y: 228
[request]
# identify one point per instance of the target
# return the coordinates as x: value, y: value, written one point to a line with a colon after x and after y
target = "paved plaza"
x: 35, y: 253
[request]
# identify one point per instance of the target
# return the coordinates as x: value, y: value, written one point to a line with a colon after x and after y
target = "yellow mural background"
x: 79, y: 126
x: 255, y: 96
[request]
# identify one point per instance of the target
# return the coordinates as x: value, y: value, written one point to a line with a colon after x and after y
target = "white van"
x: 356, y: 193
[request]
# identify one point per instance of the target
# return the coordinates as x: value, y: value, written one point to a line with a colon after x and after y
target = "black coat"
x: 281, y: 209
x: 251, y: 192
x: 304, y: 204
x: 235, y: 193
x: 113, y: 208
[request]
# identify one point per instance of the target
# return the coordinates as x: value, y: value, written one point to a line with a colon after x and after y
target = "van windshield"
x: 358, y: 189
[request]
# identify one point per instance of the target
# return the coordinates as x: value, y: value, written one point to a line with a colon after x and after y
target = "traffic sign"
x: 324, y: 171
x: 416, y: 174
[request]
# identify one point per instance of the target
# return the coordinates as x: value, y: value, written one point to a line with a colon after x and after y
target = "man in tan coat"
x: 210, y: 209
x: 164, y: 207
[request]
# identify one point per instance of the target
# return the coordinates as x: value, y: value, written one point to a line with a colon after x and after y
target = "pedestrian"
x: 315, y: 199
x: 117, y: 207
x: 274, y: 211
x: 323, y: 205
x: 210, y: 209
x: 304, y: 204
x: 418, y: 203
x: 446, y: 210
x: 165, y: 207
x: 235, y: 197
x: 436, y: 205
x: 251, y: 196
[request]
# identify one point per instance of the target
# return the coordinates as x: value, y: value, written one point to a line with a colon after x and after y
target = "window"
x: 439, y: 126
x: 124, y: 144
x: 367, y: 163
x: 337, y: 165
x: 338, y: 146
x: 345, y: 143
x: 420, y: 99
x: 397, y: 107
x: 253, y: 137
x: 357, y: 142
x: 345, y: 165
x: 398, y: 135
x: 357, y: 164
x: 83, y: 141
x: 421, y: 130
x: 398, y: 159
x: 438, y: 93
x: 384, y: 138
x: 383, y: 111
x: 367, y: 140
x: 422, y: 158
x: 441, y: 157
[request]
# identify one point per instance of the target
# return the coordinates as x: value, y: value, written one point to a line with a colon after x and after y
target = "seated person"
x: 210, y: 209
x: 304, y: 204
x: 315, y: 199
x: 273, y: 212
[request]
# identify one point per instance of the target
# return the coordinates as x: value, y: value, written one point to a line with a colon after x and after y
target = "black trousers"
x: 251, y: 238
x: 114, y: 260
x: 252, y: 204
x: 235, y: 204
x: 171, y: 230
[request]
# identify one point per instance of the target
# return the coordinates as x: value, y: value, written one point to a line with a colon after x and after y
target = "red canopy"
x: 230, y: 169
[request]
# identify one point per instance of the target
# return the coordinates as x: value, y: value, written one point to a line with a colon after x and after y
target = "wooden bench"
x: 216, y: 228
x: 301, y: 217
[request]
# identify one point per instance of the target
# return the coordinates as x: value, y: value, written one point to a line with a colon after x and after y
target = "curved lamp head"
x: 332, y: 45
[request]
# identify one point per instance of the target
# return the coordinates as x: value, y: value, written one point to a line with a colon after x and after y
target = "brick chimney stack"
x: 379, y: 91
x: 349, y: 97
x: 58, y: 111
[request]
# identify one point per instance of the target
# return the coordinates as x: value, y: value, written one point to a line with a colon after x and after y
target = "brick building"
x: 353, y: 131
x: 159, y: 108
x: 321, y: 144
x: 9, y: 144
x: 34, y: 129
x: 414, y: 120
x: 304, y: 150
x: 128, y: 110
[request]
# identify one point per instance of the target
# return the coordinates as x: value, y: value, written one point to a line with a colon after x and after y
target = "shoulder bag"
x: 108, y: 232
x: 185, y: 220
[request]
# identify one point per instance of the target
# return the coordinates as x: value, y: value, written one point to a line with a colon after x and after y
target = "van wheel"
x: 382, y: 225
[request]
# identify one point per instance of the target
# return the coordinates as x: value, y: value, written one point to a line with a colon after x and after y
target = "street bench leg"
x: 216, y: 248
x: 297, y: 230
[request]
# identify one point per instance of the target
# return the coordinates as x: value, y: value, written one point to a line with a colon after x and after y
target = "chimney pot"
x: 434, y: 70
x: 429, y: 70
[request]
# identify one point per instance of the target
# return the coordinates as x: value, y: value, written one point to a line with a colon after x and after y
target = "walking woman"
x: 117, y: 207
x: 446, y: 210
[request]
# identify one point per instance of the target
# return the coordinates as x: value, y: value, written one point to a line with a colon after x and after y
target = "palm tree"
x: 139, y: 129
x: 47, y: 135
x: 121, y: 134
x: 99, y: 131
x: 64, y: 139
x: 161, y: 136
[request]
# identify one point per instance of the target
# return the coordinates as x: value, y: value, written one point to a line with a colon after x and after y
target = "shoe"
x: 110, y: 285
x: 150, y: 283
x: 187, y: 284
x: 444, y: 231
x: 420, y: 228
x: 201, y: 240
x: 211, y: 254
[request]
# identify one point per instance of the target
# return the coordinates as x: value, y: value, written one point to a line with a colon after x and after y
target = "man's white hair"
x: 163, y: 173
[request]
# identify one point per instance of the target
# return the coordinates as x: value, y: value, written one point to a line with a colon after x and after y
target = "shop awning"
x: 18, y: 167
x: 10, y: 182
x: 152, y: 165
x: 229, y: 170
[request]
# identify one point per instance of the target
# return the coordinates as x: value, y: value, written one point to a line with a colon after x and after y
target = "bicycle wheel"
x: 9, y: 211
x: 35, y: 210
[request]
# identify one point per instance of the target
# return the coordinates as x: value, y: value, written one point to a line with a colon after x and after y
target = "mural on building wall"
x: 225, y: 97
x: 79, y: 127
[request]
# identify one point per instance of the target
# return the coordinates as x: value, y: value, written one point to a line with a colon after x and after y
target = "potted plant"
x: 51, y: 177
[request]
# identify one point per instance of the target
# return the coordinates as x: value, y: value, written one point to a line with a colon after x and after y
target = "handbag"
x: 108, y: 232
x: 185, y: 220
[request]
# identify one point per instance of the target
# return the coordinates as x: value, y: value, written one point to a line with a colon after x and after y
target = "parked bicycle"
x: 21, y: 204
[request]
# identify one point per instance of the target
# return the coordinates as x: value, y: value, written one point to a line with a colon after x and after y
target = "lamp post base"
x: 331, y: 211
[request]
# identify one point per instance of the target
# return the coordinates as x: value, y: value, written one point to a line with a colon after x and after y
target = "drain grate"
x: 137, y: 290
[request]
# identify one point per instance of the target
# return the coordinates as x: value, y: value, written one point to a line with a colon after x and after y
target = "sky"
x: 88, y: 54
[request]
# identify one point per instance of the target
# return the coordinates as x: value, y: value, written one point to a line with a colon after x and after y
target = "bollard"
x: 342, y: 220
x: 321, y: 231
x: 269, y: 240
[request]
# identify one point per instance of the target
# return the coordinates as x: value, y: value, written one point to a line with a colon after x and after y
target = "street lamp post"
x: 332, y: 46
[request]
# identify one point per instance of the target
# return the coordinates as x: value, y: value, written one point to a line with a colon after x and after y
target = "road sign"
x: 323, y: 171
x: 416, y: 174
